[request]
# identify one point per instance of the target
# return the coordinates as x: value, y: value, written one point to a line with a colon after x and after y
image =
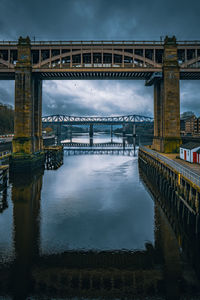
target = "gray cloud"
x: 100, y: 19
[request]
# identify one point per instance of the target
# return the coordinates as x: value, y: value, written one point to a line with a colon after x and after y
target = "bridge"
x: 60, y: 120
x: 96, y: 59
x: 73, y: 120
x: 160, y: 63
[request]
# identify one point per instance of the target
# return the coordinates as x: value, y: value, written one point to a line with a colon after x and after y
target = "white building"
x: 188, y: 152
x: 198, y: 156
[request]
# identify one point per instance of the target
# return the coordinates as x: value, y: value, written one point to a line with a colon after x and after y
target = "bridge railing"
x: 192, y: 176
x: 95, y: 145
x: 123, y: 152
x: 98, y: 42
x: 87, y: 120
x: 4, y: 157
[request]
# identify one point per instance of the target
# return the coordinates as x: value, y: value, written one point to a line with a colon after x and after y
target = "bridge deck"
x: 99, y: 59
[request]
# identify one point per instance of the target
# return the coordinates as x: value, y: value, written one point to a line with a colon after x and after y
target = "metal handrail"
x: 192, y: 176
x: 96, y: 145
x: 95, y: 42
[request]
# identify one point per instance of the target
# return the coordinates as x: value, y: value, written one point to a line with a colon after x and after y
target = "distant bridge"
x: 96, y: 145
x: 119, y: 151
x: 74, y: 120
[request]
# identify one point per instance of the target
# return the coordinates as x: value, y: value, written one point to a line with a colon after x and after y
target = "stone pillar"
x: 123, y: 135
x: 134, y: 136
x: 91, y: 133
x: 167, y: 102
x: 158, y: 126
x: 23, y: 142
x: 111, y: 133
x: 58, y: 133
x: 27, y: 141
x: 170, y: 135
x: 37, y: 93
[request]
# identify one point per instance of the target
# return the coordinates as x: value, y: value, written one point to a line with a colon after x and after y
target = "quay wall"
x: 172, y: 189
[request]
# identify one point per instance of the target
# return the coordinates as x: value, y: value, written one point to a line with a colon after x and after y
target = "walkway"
x: 190, y: 171
x: 193, y: 167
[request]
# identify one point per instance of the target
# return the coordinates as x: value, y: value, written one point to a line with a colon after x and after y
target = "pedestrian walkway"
x: 193, y: 167
x: 190, y: 171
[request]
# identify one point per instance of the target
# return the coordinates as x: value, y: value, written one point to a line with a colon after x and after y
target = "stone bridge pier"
x: 27, y: 142
x: 167, y: 102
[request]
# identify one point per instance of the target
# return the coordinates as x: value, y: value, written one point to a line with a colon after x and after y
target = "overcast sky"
x: 103, y: 20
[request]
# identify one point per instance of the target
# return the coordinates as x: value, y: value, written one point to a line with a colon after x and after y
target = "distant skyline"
x: 101, y: 20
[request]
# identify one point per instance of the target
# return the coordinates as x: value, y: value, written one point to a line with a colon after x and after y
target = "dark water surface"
x: 89, y: 230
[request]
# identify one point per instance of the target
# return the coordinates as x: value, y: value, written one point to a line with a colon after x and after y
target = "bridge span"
x: 75, y: 120
x: 60, y: 120
x: 162, y: 64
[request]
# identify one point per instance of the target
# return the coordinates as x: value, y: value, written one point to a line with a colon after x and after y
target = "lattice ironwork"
x: 75, y: 120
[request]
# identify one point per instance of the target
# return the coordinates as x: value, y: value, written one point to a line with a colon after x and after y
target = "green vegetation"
x: 6, y: 119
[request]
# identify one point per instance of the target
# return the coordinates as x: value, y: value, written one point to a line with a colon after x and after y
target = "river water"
x: 89, y: 230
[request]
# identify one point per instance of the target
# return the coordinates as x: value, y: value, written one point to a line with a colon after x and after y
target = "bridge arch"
x: 139, y: 61
x: 192, y: 63
x: 6, y: 64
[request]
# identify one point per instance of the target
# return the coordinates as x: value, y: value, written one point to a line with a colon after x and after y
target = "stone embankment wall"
x: 172, y: 190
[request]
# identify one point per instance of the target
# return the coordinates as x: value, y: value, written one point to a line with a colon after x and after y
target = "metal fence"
x: 192, y: 176
x: 4, y: 157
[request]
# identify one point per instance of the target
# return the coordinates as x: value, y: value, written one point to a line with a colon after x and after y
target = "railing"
x: 4, y: 157
x: 115, y: 119
x: 97, y: 42
x: 96, y: 145
x: 124, y: 152
x: 192, y: 176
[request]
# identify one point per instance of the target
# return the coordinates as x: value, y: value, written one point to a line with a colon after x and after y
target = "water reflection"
x: 98, y: 206
x: 97, y: 138
x: 90, y: 230
x: 26, y: 191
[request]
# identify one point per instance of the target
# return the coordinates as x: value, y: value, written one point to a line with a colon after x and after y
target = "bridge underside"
x: 99, y: 74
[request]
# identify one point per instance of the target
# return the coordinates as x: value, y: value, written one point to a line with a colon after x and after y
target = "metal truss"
x: 121, y: 152
x: 74, y: 120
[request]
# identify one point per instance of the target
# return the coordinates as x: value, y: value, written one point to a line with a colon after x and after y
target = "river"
x: 89, y: 230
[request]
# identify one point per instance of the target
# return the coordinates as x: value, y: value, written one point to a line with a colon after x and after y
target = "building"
x: 191, y: 125
x: 198, y: 156
x: 188, y: 152
x: 186, y: 116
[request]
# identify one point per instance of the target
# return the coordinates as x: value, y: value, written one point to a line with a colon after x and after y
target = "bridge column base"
x: 27, y: 162
x: 167, y: 144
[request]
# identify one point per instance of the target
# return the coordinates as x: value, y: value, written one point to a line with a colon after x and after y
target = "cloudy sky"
x: 100, y: 20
